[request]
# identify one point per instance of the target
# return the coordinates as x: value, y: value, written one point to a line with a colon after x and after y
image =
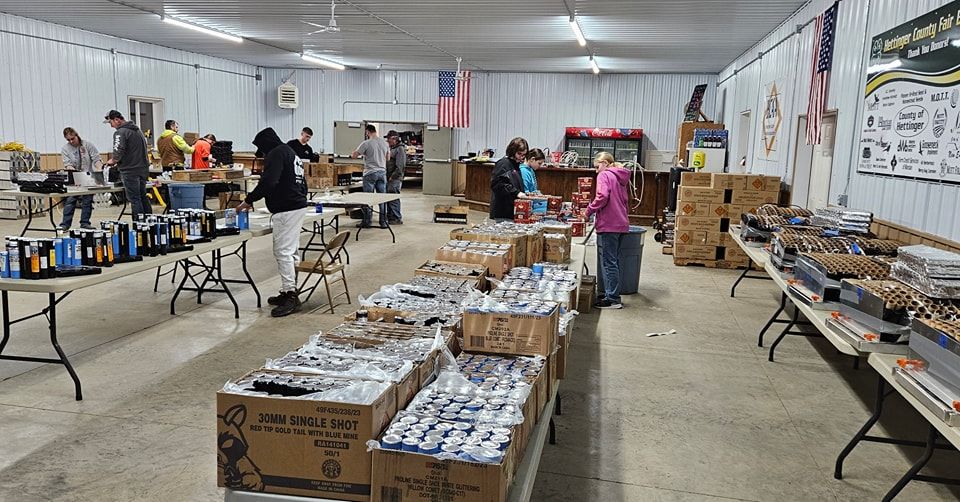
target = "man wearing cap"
x: 130, y: 159
x: 396, y: 165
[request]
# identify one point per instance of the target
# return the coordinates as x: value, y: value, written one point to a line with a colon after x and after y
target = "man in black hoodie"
x: 130, y: 158
x: 285, y: 189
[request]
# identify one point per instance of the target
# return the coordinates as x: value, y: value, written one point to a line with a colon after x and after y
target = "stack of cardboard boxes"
x: 707, y: 203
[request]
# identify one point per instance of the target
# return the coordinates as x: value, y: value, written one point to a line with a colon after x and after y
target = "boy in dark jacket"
x: 506, y: 184
x: 283, y: 186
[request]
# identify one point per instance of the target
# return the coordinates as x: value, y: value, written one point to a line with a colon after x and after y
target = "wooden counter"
x: 562, y: 181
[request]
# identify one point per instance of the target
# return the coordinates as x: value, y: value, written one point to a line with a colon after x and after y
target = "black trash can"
x: 631, y: 256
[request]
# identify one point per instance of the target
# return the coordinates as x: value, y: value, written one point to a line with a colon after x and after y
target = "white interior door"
x: 743, y: 144
x: 821, y: 166
x: 800, y: 188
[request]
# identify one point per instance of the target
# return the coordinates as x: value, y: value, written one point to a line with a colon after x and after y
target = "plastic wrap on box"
x: 930, y: 286
x: 287, y: 385
x: 330, y: 363
x: 441, y: 284
x: 787, y: 212
x: 841, y: 218
x: 937, y: 345
x: 931, y: 261
x: 458, y: 269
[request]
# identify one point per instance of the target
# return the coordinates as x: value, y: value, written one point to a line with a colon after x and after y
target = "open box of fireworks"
x: 455, y: 270
x: 496, y: 257
x: 299, y: 445
x: 433, y: 466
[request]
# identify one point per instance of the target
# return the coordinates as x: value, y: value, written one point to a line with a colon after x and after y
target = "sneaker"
x: 363, y: 225
x: 396, y: 222
x: 607, y: 304
x: 275, y: 300
x: 384, y: 226
x: 290, y: 303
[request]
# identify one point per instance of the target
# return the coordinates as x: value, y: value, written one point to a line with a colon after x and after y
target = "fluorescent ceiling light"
x: 593, y: 65
x: 575, y: 26
x: 201, y: 29
x: 322, y: 62
x: 896, y: 63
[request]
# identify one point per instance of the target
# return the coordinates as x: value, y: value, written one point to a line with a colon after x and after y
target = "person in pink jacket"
x: 612, y: 224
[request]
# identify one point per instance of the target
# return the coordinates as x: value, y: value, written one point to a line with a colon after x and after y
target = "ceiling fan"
x: 330, y: 27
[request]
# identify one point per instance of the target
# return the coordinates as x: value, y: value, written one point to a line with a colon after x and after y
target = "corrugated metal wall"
x: 503, y: 105
x: 927, y: 206
x: 56, y: 77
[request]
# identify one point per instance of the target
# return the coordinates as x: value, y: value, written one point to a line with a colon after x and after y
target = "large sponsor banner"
x: 911, y: 119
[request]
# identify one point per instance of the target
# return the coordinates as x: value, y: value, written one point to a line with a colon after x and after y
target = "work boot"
x: 275, y: 300
x: 290, y: 303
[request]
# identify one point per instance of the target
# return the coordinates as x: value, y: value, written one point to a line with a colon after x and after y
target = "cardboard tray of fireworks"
x: 481, y: 273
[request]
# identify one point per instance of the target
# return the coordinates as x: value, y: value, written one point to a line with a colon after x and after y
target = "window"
x: 147, y: 113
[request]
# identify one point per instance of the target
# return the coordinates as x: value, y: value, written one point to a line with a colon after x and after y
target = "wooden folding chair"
x: 332, y: 266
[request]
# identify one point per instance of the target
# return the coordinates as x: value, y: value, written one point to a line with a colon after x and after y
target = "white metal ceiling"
x: 642, y: 36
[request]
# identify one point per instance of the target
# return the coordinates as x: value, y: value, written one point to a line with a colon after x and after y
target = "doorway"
x: 743, y: 143
x: 147, y: 113
x: 813, y: 164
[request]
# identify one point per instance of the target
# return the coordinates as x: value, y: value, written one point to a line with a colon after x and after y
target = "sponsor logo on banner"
x: 929, y: 147
x: 939, y: 122
x: 911, y: 121
x: 885, y: 124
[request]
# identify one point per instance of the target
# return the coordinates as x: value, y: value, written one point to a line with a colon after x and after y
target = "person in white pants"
x: 283, y: 186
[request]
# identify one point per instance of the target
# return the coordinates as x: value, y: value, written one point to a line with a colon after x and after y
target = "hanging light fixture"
x: 202, y: 29
x: 322, y: 62
x: 593, y: 65
x: 575, y: 26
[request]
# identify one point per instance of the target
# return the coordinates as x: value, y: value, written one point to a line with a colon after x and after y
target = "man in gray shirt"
x: 374, y: 152
x: 396, y: 165
x: 130, y: 158
x: 81, y: 156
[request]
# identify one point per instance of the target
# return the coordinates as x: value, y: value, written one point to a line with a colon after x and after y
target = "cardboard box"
x: 696, y: 179
x: 515, y: 334
x: 498, y: 265
x: 729, y: 181
x: 405, y: 476
x: 689, y: 237
x: 518, y: 251
x: 698, y: 224
x: 735, y: 254
x: 563, y: 351
x: 701, y: 195
x: 763, y: 183
x: 193, y: 175
x: 556, y: 248
x: 585, y: 183
x: 749, y: 197
x: 587, y: 294
x: 693, y: 209
x: 298, y: 446
x: 535, y: 249
x: 578, y: 227
x: 482, y: 284
x: 316, y: 183
x: 697, y: 252
x: 191, y: 137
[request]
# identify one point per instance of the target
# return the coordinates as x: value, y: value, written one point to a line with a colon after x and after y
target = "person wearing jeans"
x: 283, y: 186
x: 374, y: 151
x: 612, y: 225
x: 374, y: 183
x: 396, y: 164
x: 79, y: 156
x: 130, y: 158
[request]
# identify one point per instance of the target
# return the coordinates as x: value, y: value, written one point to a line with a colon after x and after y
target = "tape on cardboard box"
x: 729, y: 181
x: 699, y: 224
x: 697, y: 252
x: 695, y: 179
x: 701, y: 194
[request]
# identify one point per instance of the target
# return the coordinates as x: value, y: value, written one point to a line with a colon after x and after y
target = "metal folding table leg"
x: 553, y: 432
x: 862, y: 433
x: 773, y: 319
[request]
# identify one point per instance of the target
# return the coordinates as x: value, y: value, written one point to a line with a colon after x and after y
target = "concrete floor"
x: 699, y: 415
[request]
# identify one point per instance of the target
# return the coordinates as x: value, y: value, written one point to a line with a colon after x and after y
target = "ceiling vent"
x: 288, y: 96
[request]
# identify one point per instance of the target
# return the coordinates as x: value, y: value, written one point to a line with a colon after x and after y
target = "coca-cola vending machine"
x: 624, y: 144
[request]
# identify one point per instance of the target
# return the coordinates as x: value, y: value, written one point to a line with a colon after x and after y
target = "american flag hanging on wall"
x: 823, y: 36
x: 453, y: 105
